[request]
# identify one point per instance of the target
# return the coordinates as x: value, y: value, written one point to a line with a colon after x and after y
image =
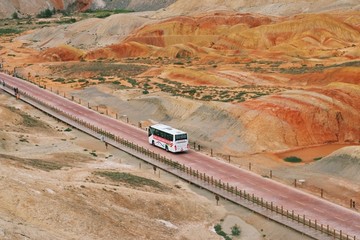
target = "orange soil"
x: 130, y: 49
x: 58, y: 4
x: 62, y: 53
x: 309, y: 154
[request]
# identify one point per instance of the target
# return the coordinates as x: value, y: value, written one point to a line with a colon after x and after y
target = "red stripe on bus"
x: 163, y: 140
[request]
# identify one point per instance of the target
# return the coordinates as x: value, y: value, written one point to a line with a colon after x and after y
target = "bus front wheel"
x: 166, y: 148
x: 153, y: 142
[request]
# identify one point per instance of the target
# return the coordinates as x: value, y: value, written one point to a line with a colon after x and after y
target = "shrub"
x: 207, y: 98
x: 132, y: 81
x: 217, y: 228
x: 7, y: 31
x: 235, y: 230
x: 62, y: 80
x: 293, y: 159
x: 67, y: 21
x: 94, y: 154
x: 103, y: 15
x: 15, y: 15
x: 47, y: 13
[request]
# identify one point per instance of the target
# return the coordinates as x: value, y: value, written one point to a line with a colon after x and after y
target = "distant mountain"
x: 266, y: 7
x: 179, y: 7
x: 33, y: 7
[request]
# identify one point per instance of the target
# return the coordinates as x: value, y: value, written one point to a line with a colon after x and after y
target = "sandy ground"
x: 50, y: 190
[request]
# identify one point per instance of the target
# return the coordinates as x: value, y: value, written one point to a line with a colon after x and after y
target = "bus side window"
x: 169, y: 136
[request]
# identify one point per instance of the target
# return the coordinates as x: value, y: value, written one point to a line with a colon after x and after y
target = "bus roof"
x: 167, y: 129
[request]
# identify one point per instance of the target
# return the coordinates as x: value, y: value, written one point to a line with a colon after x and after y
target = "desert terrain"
x: 254, y: 83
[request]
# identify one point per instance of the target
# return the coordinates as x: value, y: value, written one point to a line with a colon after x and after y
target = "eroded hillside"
x: 294, y: 81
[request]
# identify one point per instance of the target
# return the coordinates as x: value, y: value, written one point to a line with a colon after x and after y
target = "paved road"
x: 290, y: 198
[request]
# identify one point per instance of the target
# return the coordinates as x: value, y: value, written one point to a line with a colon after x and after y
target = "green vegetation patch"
x: 28, y: 120
x: 61, y: 80
x: 293, y: 159
x: 209, y: 93
x: 99, y: 70
x: 130, y: 179
x: 47, y: 13
x: 44, y: 165
x: 66, y: 21
x: 235, y: 231
x: 101, y: 13
x: 36, y: 163
x: 317, y: 68
x: 9, y: 31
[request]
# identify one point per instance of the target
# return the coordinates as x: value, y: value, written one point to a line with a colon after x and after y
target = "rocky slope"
x: 304, y: 117
x: 89, y: 33
x: 344, y: 163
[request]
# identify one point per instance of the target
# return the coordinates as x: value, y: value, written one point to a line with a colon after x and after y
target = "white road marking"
x: 283, y: 196
x: 340, y: 219
x: 301, y: 203
x: 318, y: 210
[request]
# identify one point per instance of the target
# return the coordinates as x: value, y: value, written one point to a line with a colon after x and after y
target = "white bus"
x: 168, y: 138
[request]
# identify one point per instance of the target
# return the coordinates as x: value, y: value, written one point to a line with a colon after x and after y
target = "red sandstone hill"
x: 308, y: 36
x: 306, y: 117
x: 62, y: 53
x: 203, y: 30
